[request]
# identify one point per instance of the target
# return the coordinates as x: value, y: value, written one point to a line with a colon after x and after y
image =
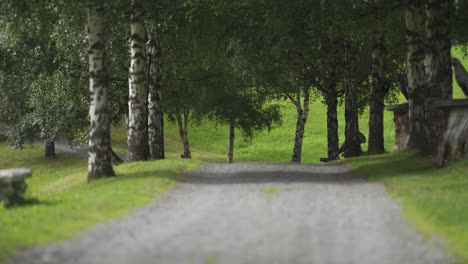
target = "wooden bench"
x: 13, y: 185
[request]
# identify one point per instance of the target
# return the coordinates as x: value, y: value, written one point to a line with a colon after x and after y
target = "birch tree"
x: 137, y: 115
x: 99, y: 161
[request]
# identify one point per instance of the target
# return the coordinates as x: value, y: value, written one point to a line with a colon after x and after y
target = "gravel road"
x: 254, y: 213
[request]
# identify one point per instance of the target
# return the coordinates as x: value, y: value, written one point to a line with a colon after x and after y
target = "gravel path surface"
x: 254, y: 213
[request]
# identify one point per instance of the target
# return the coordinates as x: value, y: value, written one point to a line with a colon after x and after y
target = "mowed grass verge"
x: 434, y: 200
x: 60, y: 203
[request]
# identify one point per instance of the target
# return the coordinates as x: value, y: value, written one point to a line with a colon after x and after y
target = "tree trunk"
x: 332, y: 122
x: 99, y: 161
x: 353, y: 145
x: 183, y: 132
x: 50, y: 149
x: 377, y: 95
x: 156, y: 115
x: 438, y: 70
x: 137, y: 114
x: 416, y: 76
x: 302, y: 115
x: 230, y: 152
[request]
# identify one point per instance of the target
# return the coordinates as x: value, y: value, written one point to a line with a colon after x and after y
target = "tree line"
x: 229, y: 61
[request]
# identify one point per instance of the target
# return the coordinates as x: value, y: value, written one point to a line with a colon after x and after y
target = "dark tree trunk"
x: 416, y: 76
x: 182, y: 121
x: 99, y: 160
x: 377, y: 96
x: 156, y: 115
x: 438, y: 70
x: 230, y: 152
x: 50, y: 149
x: 332, y: 122
x: 137, y: 116
x: 302, y: 115
x: 353, y: 145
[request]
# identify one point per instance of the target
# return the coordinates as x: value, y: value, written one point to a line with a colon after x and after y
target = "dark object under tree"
x: 50, y: 149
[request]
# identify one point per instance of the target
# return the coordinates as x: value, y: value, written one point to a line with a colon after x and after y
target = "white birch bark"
x: 99, y: 161
x: 137, y: 115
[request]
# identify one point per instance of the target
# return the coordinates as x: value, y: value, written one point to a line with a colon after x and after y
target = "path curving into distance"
x: 254, y: 213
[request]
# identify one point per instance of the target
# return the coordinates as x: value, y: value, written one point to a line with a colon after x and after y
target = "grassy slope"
x: 60, y: 203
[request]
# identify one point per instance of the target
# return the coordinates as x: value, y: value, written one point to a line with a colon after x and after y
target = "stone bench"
x: 13, y: 185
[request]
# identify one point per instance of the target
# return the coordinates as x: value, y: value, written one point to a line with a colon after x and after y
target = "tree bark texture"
x: 137, y: 116
x: 438, y: 69
x: 416, y: 75
x: 156, y: 114
x: 376, y: 115
x: 332, y: 122
x: 182, y: 122
x: 50, y: 149
x: 99, y: 161
x: 353, y: 145
x: 302, y: 115
x: 230, y: 152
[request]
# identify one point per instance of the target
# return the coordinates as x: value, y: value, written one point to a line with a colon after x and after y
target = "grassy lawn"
x: 434, y: 200
x: 61, y: 203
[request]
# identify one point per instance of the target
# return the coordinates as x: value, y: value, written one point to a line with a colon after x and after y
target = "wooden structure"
x: 401, y: 120
x: 455, y: 141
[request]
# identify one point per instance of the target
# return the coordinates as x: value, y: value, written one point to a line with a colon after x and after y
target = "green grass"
x: 434, y: 200
x: 61, y: 203
x: 209, y: 141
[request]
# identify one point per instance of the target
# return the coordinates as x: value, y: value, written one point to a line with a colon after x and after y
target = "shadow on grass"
x: 248, y: 173
x: 169, y: 174
x: 392, y: 165
x: 31, y: 202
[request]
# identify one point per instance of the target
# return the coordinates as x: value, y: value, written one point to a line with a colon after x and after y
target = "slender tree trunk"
x: 353, y: 145
x: 230, y: 152
x: 302, y: 115
x: 182, y: 121
x: 416, y: 76
x: 376, y: 127
x: 156, y: 115
x: 137, y: 116
x: 438, y: 70
x: 99, y: 161
x: 50, y: 149
x: 332, y: 122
